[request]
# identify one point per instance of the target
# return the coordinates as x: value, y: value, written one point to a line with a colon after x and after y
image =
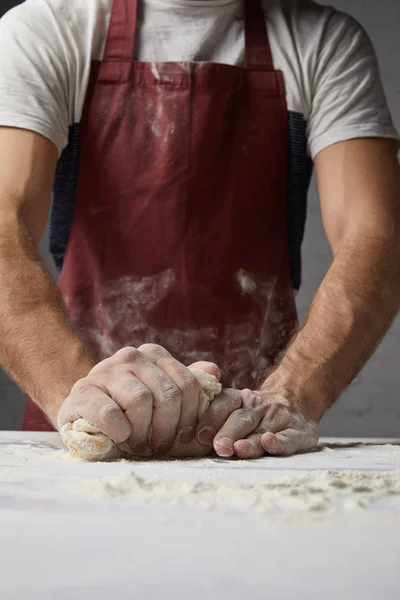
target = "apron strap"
x: 121, y: 34
x: 258, y: 49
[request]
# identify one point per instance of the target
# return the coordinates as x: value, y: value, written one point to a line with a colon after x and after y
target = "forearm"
x: 38, y: 347
x: 353, y: 308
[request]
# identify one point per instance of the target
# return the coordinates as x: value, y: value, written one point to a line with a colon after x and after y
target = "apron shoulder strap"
x: 258, y: 49
x: 120, y: 42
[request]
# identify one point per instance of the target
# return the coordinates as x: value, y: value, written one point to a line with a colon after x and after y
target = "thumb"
x: 208, y: 367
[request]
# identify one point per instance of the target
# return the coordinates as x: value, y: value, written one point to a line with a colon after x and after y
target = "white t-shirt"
x: 331, y: 74
x: 330, y: 68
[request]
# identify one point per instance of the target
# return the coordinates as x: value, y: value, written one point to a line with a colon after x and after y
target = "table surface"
x: 71, y: 529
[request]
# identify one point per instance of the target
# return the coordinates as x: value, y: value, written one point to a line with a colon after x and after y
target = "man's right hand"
x: 139, y: 394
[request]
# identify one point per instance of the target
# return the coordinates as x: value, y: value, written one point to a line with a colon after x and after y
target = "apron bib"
x: 179, y: 234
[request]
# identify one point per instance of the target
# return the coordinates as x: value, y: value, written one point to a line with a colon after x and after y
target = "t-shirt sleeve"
x: 33, y: 73
x: 347, y: 96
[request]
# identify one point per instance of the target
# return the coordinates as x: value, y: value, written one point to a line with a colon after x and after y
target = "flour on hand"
x: 87, y: 442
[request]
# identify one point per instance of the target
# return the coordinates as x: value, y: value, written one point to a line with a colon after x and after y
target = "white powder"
x: 246, y: 282
x: 254, y: 489
x: 121, y: 319
x: 386, y: 451
x: 308, y: 491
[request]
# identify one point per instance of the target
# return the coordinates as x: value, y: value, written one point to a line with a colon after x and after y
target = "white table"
x: 60, y: 543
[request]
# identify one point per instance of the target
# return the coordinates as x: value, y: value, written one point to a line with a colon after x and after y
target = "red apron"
x: 179, y: 234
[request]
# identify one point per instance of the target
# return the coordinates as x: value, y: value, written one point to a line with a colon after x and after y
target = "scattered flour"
x: 307, y: 491
x: 374, y: 451
x: 238, y: 487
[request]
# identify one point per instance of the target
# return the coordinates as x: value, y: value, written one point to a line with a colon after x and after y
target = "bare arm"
x: 38, y: 347
x: 359, y: 186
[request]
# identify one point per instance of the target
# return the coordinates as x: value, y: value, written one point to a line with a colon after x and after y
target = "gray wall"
x: 371, y: 406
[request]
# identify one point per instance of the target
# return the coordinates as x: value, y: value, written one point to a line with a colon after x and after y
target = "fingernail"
x: 206, y: 435
x: 185, y: 434
x: 224, y: 448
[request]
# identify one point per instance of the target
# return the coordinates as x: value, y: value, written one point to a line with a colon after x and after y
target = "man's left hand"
x: 266, y: 423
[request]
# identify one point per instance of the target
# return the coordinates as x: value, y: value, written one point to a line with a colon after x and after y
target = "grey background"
x: 371, y: 406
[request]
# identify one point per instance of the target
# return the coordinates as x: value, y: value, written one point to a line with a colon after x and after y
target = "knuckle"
x: 235, y: 402
x: 275, y: 412
x: 227, y: 403
x: 243, y: 415
x: 103, y: 372
x: 83, y: 387
x: 102, y: 366
x: 142, y: 396
x: 171, y: 397
x: 231, y: 398
x: 154, y: 350
x: 127, y: 354
x: 109, y: 412
x: 260, y: 401
x: 252, y: 399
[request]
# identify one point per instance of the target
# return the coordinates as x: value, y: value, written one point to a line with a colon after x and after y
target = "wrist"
x: 51, y: 411
x: 63, y: 379
x: 310, y: 392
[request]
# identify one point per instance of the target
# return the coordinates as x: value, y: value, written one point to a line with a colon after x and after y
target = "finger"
x: 251, y: 447
x: 215, y: 416
x: 240, y: 424
x: 289, y: 441
x: 187, y: 384
x: 89, y: 402
x: 166, y: 395
x: 193, y: 448
x: 208, y: 367
x: 272, y: 422
x: 167, y: 401
x: 136, y: 401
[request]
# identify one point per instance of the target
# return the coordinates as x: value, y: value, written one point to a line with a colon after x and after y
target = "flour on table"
x: 308, y: 491
x: 87, y: 442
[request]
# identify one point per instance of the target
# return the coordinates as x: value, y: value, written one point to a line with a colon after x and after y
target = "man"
x: 179, y: 136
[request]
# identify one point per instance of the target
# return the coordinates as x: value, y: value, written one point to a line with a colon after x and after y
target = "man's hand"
x: 225, y: 403
x: 265, y: 423
x: 137, y: 394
